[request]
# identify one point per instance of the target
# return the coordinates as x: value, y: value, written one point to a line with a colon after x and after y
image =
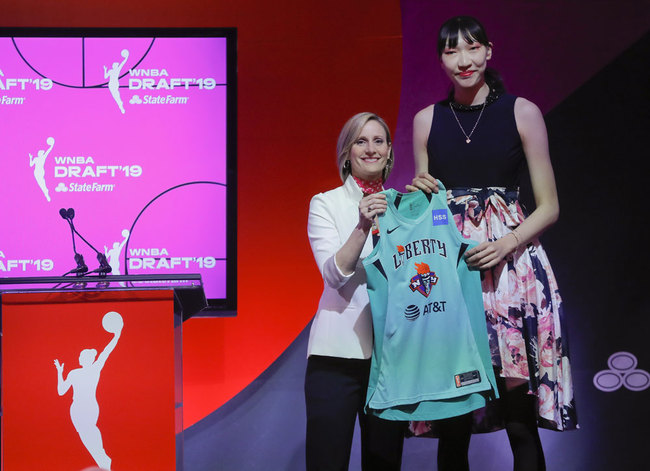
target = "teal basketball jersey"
x: 431, y: 357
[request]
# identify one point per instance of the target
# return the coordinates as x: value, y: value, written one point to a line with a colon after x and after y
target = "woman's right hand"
x: 369, y: 207
x: 425, y: 182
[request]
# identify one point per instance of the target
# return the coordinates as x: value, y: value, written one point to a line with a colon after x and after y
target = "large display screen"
x: 134, y: 129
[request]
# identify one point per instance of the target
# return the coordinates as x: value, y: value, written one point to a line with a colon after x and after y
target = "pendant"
x: 468, y: 140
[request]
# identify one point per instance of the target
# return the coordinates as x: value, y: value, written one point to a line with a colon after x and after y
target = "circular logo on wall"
x: 622, y: 372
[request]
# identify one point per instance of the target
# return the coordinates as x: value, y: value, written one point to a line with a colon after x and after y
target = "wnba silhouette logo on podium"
x: 84, y: 411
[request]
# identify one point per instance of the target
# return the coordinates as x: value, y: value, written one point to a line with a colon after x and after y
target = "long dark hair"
x: 471, y: 30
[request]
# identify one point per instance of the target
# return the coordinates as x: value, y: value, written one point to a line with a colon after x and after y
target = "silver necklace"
x: 467, y: 136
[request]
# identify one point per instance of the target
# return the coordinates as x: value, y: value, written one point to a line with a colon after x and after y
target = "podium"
x: 92, y: 371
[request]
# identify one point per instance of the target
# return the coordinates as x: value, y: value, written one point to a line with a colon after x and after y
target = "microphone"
x: 81, y: 265
x: 78, y: 258
x: 104, y: 267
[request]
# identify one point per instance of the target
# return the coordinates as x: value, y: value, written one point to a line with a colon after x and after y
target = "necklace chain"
x: 467, y: 136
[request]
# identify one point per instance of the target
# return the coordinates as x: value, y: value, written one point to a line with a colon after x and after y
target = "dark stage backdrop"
x: 304, y: 68
x: 597, y: 140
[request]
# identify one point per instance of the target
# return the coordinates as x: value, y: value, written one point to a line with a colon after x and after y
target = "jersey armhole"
x: 465, y: 243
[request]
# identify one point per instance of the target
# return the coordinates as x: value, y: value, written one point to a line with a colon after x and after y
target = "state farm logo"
x: 622, y: 372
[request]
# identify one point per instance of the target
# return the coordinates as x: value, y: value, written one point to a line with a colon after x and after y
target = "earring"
x: 346, y: 165
x: 387, y: 168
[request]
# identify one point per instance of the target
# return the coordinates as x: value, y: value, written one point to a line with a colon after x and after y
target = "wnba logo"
x: 38, y: 163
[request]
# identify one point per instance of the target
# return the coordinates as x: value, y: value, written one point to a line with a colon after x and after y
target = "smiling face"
x: 369, y: 152
x: 465, y: 63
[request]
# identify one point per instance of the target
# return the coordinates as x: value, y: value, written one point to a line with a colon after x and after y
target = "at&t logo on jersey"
x: 424, y: 280
x: 412, y: 312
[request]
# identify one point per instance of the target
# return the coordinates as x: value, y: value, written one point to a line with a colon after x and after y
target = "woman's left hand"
x: 488, y: 254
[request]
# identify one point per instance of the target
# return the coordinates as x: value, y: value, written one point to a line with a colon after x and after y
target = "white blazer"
x: 342, y: 326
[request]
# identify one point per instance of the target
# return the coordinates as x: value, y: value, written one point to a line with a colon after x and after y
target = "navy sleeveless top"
x: 494, y: 157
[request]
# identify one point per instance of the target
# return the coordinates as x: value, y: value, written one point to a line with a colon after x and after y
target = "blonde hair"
x: 349, y: 135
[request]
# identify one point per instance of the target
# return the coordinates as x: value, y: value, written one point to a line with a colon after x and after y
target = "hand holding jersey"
x: 425, y: 182
x: 371, y: 206
x: 488, y: 254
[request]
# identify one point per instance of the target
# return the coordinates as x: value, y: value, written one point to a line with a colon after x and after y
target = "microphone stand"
x: 104, y: 266
x: 78, y: 258
x: 82, y: 269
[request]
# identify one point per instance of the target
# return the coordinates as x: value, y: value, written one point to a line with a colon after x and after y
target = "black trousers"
x: 520, y: 417
x: 335, y: 393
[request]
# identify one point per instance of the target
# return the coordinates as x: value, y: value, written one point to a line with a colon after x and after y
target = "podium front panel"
x: 115, y: 404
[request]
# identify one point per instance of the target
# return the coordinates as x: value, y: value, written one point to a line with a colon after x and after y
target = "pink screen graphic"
x: 131, y: 133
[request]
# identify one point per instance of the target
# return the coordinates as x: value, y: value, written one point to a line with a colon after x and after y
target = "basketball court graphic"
x: 80, y: 62
x: 82, y: 72
x: 84, y: 410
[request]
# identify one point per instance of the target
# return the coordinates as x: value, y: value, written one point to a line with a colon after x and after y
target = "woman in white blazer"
x: 340, y: 341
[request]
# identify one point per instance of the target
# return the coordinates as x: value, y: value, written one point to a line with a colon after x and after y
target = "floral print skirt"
x: 523, y: 310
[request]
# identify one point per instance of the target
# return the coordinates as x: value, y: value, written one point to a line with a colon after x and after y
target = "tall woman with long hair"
x: 479, y: 141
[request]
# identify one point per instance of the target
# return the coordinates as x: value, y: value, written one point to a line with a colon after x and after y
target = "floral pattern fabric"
x: 523, y: 310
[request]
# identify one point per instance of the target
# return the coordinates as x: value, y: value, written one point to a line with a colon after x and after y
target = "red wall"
x: 304, y: 68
